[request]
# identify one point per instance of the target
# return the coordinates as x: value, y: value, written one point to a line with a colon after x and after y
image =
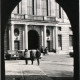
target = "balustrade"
x: 32, y: 17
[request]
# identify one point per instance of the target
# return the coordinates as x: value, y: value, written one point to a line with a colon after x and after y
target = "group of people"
x: 32, y: 56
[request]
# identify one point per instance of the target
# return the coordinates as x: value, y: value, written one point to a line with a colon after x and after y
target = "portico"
x: 39, y: 28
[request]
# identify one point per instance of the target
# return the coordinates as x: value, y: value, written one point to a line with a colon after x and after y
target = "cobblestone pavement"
x: 52, y: 67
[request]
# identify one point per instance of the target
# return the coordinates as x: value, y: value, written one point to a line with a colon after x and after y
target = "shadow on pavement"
x: 62, y: 78
x: 35, y: 77
x: 27, y: 77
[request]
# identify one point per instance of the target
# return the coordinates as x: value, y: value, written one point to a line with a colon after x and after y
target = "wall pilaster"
x: 12, y: 36
x: 44, y: 37
x: 26, y: 36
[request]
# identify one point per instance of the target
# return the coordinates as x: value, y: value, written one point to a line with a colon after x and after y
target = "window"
x: 59, y: 11
x: 59, y: 41
x: 18, y: 8
x: 70, y: 40
x: 49, y: 7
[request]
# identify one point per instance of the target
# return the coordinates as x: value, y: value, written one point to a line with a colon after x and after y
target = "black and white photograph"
x: 39, y: 40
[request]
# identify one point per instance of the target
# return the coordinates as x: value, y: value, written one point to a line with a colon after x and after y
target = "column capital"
x: 45, y: 25
x: 56, y: 25
x: 26, y: 24
x: 12, y: 23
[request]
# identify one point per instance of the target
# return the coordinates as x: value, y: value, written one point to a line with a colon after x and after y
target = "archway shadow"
x: 36, y: 77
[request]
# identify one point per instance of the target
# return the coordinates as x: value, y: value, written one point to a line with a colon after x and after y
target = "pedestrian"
x: 32, y: 56
x: 26, y: 56
x: 42, y: 50
x: 46, y: 50
x: 38, y: 54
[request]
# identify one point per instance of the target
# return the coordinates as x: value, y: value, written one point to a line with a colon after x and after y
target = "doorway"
x: 48, y: 45
x: 33, y: 39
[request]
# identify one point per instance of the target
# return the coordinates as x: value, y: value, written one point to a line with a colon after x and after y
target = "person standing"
x: 38, y: 54
x: 46, y: 50
x: 26, y: 56
x: 42, y: 50
x: 32, y: 56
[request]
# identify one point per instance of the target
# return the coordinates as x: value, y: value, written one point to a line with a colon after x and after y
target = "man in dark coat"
x: 32, y: 56
x: 46, y: 50
x: 42, y: 50
x: 38, y: 54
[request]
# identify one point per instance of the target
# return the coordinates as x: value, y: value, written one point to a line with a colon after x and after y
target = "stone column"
x: 44, y: 37
x: 56, y: 38
x: 23, y: 40
x: 26, y: 36
x: 12, y: 36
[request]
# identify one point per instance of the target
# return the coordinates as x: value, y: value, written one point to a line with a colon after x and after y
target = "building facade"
x: 38, y: 23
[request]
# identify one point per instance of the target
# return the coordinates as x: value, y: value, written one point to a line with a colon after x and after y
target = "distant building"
x: 38, y: 23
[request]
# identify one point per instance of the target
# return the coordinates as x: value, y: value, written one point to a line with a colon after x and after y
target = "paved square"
x: 52, y: 65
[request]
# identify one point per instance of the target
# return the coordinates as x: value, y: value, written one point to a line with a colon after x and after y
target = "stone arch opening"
x: 33, y: 39
x: 69, y: 8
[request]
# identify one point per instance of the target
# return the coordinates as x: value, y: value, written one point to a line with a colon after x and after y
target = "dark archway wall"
x: 71, y: 7
x: 6, y: 8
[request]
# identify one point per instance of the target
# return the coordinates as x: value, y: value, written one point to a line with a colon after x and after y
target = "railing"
x: 33, y: 17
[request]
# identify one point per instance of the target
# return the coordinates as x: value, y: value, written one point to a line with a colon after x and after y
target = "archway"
x: 71, y: 7
x: 33, y: 39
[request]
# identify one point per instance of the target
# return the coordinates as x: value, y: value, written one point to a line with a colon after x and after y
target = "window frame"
x: 70, y: 40
x: 60, y: 40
